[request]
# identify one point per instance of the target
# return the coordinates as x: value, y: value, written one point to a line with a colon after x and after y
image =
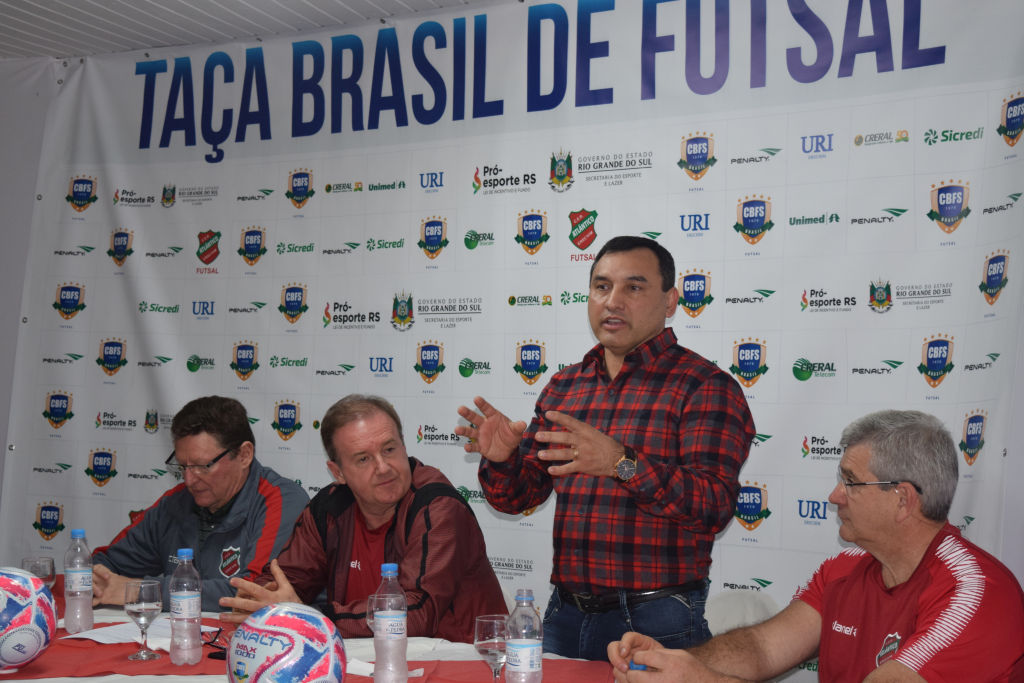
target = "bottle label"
x: 524, y: 655
x: 389, y: 624
x: 186, y: 605
x: 78, y: 580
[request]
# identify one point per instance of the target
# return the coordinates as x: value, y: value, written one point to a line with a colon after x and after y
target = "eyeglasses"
x: 211, y: 638
x: 179, y: 470
x: 850, y: 484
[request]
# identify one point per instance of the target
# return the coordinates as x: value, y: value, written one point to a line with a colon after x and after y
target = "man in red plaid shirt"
x: 643, y: 442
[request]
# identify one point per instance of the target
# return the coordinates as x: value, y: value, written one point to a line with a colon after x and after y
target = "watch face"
x: 625, y: 469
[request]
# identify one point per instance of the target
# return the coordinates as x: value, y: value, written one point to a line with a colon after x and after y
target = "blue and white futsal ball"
x: 287, y: 642
x: 28, y: 617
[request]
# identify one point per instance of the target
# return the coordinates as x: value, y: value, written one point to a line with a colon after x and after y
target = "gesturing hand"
x: 587, y: 449
x: 252, y: 596
x: 490, y: 432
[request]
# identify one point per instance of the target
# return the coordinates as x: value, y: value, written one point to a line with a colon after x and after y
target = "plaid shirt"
x: 691, y: 429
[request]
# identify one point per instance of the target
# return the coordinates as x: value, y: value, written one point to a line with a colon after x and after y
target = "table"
x: 78, y: 660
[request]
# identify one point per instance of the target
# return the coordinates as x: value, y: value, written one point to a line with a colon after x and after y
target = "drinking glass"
x: 489, y: 639
x: 143, y: 601
x: 41, y: 567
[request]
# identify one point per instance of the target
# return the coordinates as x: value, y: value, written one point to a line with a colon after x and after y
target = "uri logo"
x: 49, y: 519
x: 58, y: 408
x: 430, y: 360
x: 561, y: 178
x: 300, y: 187
x: 694, y: 292
x: 70, y: 299
x: 936, y: 359
x: 208, y: 250
x: 749, y: 361
x: 102, y: 466
x: 293, y: 301
x: 253, y: 244
x: 168, y: 195
x: 753, y: 217
x: 113, y: 355
x: 532, y: 229
x: 81, y: 193
x: 433, y: 236
x: 752, y: 505
x: 880, y: 296
x: 949, y: 204
x: 697, y: 154
x: 1011, y: 119
x: 401, y: 312
x: 973, y: 435
x: 581, y: 228
x: 121, y: 246
x: 530, y: 360
x: 152, y: 422
x: 286, y: 419
x: 993, y: 275
x: 245, y: 359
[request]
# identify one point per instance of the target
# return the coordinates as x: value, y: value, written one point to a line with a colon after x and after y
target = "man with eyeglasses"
x: 913, y: 601
x: 232, y: 511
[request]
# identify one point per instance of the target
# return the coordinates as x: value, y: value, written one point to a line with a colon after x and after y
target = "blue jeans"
x: 676, y: 621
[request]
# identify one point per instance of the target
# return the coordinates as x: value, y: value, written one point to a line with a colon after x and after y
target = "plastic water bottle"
x: 525, y: 636
x: 78, y: 584
x: 186, y: 611
x: 390, y: 637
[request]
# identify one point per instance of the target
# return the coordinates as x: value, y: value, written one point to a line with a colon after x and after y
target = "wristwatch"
x: 625, y: 468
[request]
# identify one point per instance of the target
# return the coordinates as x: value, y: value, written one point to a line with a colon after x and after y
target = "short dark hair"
x: 221, y: 417
x: 349, y: 409
x: 666, y: 264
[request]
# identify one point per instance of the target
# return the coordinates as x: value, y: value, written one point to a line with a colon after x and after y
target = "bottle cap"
x: 524, y: 594
x: 78, y: 533
x: 389, y: 569
x: 185, y: 554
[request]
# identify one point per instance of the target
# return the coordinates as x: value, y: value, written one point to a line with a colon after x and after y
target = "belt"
x: 586, y: 602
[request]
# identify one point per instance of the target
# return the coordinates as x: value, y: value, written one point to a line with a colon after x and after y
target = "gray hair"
x: 910, y: 446
x: 350, y: 409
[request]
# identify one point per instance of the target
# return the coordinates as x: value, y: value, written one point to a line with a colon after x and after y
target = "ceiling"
x: 78, y: 28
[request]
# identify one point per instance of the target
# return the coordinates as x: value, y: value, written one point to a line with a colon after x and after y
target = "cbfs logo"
x: 880, y: 296
x: 49, y: 519
x: 102, y: 466
x: 286, y: 419
x: 993, y: 275
x: 81, y: 193
x: 532, y: 230
x: 300, y: 187
x: 973, y: 439
x: 582, y: 232
x: 402, y: 312
x: 561, y: 178
x: 529, y: 360
x: 433, y: 236
x: 58, y: 408
x: 253, y: 244
x: 949, y: 204
x: 121, y: 246
x: 752, y: 505
x: 293, y: 301
x: 113, y: 355
x: 694, y: 292
x: 753, y: 217
x: 1011, y: 119
x: 70, y: 299
x: 429, y: 360
x: 936, y: 359
x: 245, y: 359
x: 697, y: 154
x: 749, y: 360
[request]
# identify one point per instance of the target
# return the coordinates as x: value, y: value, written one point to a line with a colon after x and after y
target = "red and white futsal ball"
x: 28, y: 617
x: 287, y: 642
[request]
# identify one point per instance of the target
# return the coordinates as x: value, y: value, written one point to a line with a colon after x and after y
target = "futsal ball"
x: 28, y: 617
x: 287, y: 642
